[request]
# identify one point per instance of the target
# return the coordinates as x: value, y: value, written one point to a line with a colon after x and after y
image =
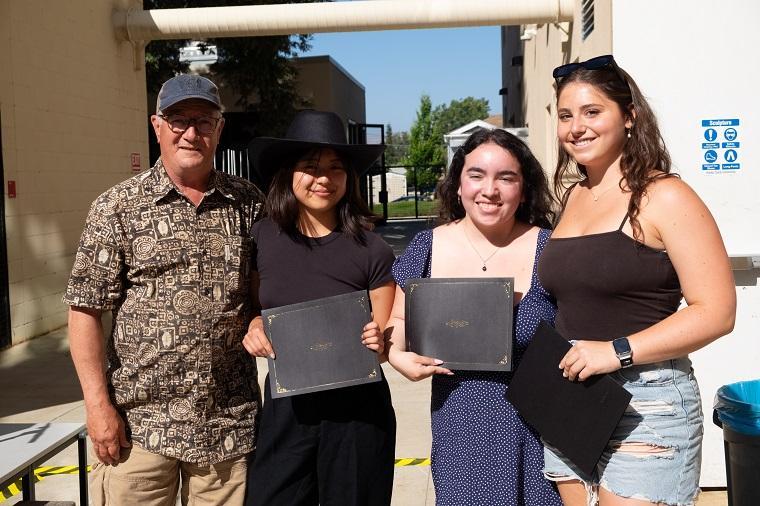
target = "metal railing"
x: 233, y: 161
x: 409, y: 191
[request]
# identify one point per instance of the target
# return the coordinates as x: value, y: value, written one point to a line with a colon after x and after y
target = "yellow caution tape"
x: 412, y: 462
x: 39, y: 473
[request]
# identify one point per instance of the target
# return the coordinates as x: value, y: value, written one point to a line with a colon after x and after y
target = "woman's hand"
x: 373, y: 338
x: 256, y: 341
x: 416, y: 367
x: 587, y: 358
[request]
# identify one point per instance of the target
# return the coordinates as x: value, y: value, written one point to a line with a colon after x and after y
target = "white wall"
x: 697, y: 60
x: 395, y: 184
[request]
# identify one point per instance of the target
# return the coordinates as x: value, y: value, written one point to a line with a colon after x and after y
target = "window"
x: 587, y: 18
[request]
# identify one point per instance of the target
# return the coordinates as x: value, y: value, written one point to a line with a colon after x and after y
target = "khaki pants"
x: 148, y: 479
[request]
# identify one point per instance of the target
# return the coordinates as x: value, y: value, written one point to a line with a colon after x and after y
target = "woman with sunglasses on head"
x: 495, y: 212
x: 631, y: 241
x: 334, y: 446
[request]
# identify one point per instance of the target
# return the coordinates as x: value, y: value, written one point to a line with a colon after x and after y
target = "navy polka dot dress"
x: 483, y: 452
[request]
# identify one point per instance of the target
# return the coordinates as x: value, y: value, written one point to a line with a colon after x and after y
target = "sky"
x: 396, y: 67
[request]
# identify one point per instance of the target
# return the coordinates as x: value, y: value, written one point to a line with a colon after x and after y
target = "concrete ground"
x: 38, y: 384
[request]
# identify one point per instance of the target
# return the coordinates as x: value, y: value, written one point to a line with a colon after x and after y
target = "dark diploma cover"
x: 318, y: 345
x: 466, y: 322
x: 575, y: 417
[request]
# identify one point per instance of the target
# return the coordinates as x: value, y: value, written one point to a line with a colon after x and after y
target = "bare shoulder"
x: 445, y: 231
x: 670, y: 191
x: 528, y: 231
x: 677, y: 214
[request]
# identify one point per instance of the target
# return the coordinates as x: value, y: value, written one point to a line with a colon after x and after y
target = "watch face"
x: 621, y: 346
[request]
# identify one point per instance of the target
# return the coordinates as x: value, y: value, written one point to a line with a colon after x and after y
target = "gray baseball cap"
x: 185, y: 86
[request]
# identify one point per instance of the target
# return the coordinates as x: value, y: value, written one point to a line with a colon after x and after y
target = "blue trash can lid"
x: 744, y: 395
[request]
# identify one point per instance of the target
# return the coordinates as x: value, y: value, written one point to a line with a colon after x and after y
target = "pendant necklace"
x: 596, y: 196
x: 484, y: 260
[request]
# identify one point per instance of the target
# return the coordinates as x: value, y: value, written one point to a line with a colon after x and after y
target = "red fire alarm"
x: 11, y: 189
x: 135, y: 160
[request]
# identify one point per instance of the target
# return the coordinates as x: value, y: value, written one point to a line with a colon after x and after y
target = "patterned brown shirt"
x: 177, y: 279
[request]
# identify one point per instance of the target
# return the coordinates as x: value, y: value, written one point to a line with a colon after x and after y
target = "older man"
x: 171, y: 395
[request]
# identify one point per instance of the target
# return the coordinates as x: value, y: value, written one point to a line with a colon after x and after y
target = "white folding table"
x: 24, y: 446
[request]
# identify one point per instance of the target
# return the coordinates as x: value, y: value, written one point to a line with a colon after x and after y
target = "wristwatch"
x: 623, y: 351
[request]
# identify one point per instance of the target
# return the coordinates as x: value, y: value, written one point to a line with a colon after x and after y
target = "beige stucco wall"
x: 73, y: 109
x: 553, y: 45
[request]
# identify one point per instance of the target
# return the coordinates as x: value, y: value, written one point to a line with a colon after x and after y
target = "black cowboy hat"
x: 310, y: 129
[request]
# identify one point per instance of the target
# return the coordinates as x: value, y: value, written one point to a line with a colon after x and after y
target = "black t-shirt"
x: 292, y: 271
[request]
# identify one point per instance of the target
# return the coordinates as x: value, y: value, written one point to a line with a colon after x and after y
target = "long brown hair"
x: 645, y: 157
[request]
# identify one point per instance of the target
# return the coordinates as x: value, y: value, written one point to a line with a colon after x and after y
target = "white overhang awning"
x: 141, y: 26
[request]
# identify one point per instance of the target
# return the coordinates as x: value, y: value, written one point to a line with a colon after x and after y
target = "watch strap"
x: 623, y: 351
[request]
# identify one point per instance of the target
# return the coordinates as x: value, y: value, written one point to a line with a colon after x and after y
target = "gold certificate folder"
x: 318, y: 345
x: 466, y: 322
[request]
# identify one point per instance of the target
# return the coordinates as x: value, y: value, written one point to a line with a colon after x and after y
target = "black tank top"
x: 607, y: 285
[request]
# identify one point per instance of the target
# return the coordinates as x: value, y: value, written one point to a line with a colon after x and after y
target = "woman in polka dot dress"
x: 495, y: 209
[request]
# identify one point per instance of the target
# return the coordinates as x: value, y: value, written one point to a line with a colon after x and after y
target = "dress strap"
x: 541, y: 240
x: 427, y: 267
x: 622, y: 223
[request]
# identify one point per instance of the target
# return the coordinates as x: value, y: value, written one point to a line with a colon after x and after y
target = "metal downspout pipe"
x: 141, y: 26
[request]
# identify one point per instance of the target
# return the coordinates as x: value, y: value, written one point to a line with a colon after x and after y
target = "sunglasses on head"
x: 596, y: 63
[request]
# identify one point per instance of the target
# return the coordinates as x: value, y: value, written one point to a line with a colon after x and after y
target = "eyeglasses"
x: 596, y: 63
x: 205, y: 125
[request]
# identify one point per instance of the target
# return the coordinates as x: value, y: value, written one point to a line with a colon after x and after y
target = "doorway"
x: 5, y: 307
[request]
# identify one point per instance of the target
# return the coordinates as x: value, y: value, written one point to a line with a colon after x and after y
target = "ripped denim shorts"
x: 655, y: 452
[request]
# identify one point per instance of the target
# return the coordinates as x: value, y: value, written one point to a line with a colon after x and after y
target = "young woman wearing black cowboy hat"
x: 335, y: 446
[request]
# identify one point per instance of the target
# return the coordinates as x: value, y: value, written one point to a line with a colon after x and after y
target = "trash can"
x: 737, y: 411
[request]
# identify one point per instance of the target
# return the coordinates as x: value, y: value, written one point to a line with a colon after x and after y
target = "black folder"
x: 576, y: 418
x: 318, y: 345
x: 466, y: 322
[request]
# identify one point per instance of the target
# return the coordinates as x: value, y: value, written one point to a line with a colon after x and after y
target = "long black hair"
x: 354, y: 217
x: 536, y: 208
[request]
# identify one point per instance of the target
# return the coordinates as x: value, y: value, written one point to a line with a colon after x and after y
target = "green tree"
x: 458, y: 113
x: 425, y: 148
x: 257, y: 69
x: 397, y: 146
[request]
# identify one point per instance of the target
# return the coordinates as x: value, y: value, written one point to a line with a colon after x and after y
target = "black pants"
x: 331, y: 448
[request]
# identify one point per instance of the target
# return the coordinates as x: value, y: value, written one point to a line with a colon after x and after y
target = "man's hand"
x: 104, y: 425
x: 256, y: 341
x: 106, y: 430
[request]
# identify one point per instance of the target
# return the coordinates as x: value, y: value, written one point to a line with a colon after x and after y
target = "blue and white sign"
x: 721, y: 151
x: 719, y: 122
